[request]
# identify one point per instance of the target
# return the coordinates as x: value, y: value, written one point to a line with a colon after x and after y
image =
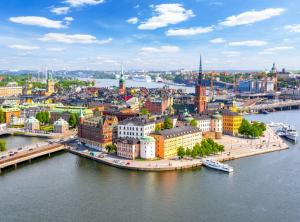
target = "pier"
x: 20, y: 156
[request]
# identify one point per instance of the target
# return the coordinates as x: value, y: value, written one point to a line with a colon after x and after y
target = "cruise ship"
x: 141, y: 78
x: 288, y: 132
x: 217, y: 165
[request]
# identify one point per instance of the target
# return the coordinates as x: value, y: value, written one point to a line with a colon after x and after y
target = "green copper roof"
x: 148, y: 139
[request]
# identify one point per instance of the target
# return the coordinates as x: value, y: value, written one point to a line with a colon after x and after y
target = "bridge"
x: 13, y: 158
x: 282, y: 105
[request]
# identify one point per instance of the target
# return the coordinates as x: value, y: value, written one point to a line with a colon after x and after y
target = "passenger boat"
x: 217, y: 165
x: 141, y: 78
x: 288, y: 132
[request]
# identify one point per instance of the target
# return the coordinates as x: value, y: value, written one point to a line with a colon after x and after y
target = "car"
x: 128, y: 163
x: 20, y: 148
x: 11, y: 154
x: 30, y: 149
x: 3, y: 157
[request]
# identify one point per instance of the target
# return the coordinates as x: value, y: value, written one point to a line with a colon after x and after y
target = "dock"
x: 27, y: 155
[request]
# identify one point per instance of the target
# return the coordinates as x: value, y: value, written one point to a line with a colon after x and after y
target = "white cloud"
x: 55, y: 49
x: 293, y: 28
x: 275, y: 49
x: 38, y: 21
x: 24, y: 47
x: 251, y: 17
x: 75, y: 38
x: 231, y: 53
x: 162, y: 49
x: 78, y: 3
x: 60, y: 10
x: 133, y: 20
x: 189, y: 31
x: 166, y: 14
x: 217, y: 41
x: 248, y: 43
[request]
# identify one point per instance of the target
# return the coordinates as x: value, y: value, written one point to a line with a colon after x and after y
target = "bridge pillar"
x: 49, y: 154
x: 15, y: 166
x: 29, y: 161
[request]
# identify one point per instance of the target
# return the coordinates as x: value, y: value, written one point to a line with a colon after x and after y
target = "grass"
x: 47, y: 128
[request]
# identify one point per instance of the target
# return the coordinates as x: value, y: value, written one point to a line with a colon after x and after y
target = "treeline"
x: 254, y: 130
x: 43, y: 117
x: 205, y: 148
x: 66, y: 84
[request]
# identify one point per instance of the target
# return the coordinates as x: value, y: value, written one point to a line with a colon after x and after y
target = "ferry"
x: 142, y: 78
x: 159, y: 79
x: 217, y: 165
x: 288, y: 132
x: 272, y: 124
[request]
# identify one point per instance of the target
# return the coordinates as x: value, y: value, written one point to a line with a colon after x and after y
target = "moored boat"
x: 288, y: 132
x: 217, y: 165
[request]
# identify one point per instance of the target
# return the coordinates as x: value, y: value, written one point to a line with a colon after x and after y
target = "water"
x: 131, y: 83
x: 13, y: 142
x: 69, y: 188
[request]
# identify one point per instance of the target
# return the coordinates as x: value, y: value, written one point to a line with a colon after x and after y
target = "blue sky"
x: 149, y: 35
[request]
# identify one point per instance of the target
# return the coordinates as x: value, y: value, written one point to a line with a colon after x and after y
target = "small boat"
x: 217, y: 165
x: 288, y: 132
x: 264, y: 112
x: 272, y: 124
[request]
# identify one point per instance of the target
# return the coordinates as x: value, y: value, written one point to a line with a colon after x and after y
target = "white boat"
x: 288, y: 132
x: 272, y: 124
x: 159, y: 79
x: 141, y: 78
x: 217, y: 165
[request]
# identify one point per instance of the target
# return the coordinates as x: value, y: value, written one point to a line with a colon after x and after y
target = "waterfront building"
x: 10, y: 112
x: 256, y: 85
x: 122, y: 88
x: 32, y: 124
x: 147, y: 147
x: 136, y: 127
x: 231, y: 122
x: 10, y: 91
x: 96, y: 132
x: 61, y: 126
x: 168, y: 141
x: 128, y: 148
x: 17, y: 121
x: 200, y: 92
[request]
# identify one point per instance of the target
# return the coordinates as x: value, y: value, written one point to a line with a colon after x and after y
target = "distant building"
x: 96, y: 132
x: 158, y: 106
x: 32, y: 124
x: 147, y: 147
x: 11, y: 91
x: 128, y: 148
x: 200, y: 92
x: 256, y: 85
x: 168, y: 141
x: 211, y: 126
x: 61, y: 126
x: 136, y: 127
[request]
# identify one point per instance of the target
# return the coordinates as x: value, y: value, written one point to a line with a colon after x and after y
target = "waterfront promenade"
x: 235, y: 148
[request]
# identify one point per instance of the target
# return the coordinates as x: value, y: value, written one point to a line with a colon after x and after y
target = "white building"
x: 60, y: 126
x: 135, y: 128
x: 31, y: 124
x: 17, y: 121
x: 147, y: 147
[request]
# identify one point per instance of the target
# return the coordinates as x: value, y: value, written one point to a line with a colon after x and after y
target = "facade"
x: 231, y: 122
x: 168, y: 141
x: 257, y: 85
x: 32, y: 124
x: 147, y: 147
x: 136, y: 127
x: 158, y: 106
x: 96, y: 132
x: 200, y: 92
x: 17, y: 121
x: 10, y: 91
x: 61, y: 126
x: 65, y: 111
x: 10, y: 112
x: 128, y: 148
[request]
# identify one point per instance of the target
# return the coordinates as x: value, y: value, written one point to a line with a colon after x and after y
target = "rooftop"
x: 177, y: 131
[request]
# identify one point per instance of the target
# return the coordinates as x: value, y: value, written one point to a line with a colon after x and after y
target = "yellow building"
x: 168, y: 141
x: 11, y: 91
x: 10, y: 112
x: 50, y: 87
x: 231, y: 122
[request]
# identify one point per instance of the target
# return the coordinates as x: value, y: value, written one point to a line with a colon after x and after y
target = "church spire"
x: 200, y: 74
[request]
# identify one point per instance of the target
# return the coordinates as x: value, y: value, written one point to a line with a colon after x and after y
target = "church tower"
x: 50, y: 85
x: 122, y: 88
x: 200, y: 92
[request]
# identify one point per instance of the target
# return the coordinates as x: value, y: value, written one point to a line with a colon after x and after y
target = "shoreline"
x: 240, y: 149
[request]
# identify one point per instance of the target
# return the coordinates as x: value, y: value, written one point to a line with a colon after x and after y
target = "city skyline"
x: 156, y: 35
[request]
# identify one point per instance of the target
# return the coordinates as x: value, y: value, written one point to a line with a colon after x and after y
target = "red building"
x: 97, y: 132
x: 200, y: 92
x: 157, y: 105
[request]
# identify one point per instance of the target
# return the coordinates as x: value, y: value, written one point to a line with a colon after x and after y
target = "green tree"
x: 3, y: 146
x: 188, y: 152
x: 194, y: 153
x: 39, y: 117
x: 111, y: 148
x: 157, y: 127
x: 72, y: 120
x: 194, y: 123
x: 181, y: 152
x: 144, y: 112
x: 2, y: 117
x: 168, y: 124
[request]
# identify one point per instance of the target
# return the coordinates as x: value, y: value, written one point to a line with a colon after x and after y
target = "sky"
x: 149, y: 35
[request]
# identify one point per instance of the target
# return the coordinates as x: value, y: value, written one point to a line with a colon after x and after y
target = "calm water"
x: 68, y: 188
x: 13, y: 142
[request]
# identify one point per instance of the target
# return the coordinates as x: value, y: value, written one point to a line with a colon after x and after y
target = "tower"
x: 275, y: 76
x: 200, y: 92
x: 122, y: 82
x: 50, y: 84
x: 81, y: 117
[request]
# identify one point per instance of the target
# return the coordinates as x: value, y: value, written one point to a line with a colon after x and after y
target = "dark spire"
x: 200, y: 74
